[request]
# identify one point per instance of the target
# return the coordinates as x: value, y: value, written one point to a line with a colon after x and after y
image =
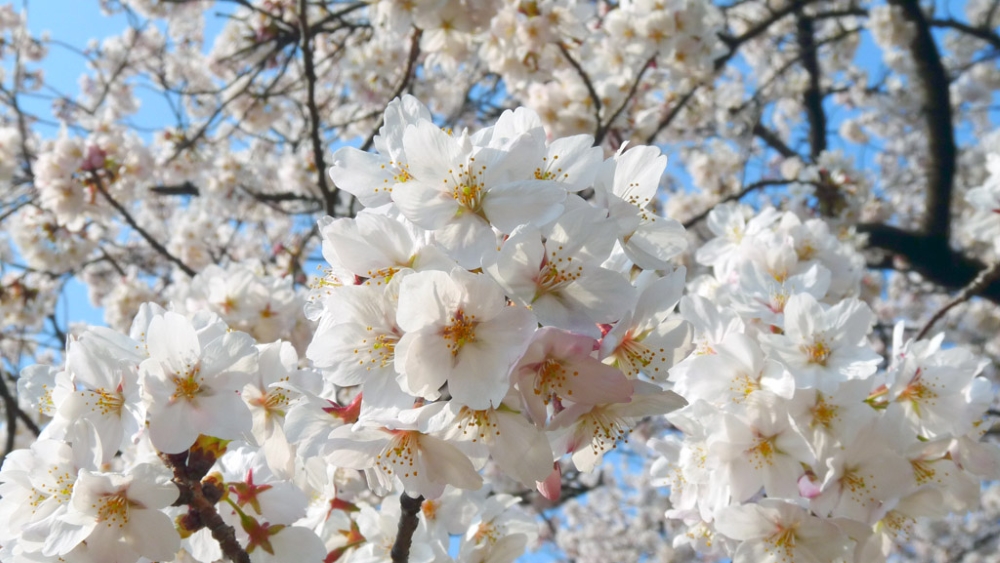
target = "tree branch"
x: 985, y: 278
x: 941, y: 149
x: 772, y: 140
x: 186, y: 188
x: 329, y: 193
x: 594, y: 98
x: 812, y: 98
x: 735, y: 196
x: 983, y: 33
x: 10, y: 403
x: 135, y: 226
x: 931, y: 257
x: 411, y: 63
x: 602, y: 130
x: 408, y: 521
x: 192, y: 494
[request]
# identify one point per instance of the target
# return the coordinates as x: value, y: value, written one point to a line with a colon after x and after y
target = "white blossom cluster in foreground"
x: 503, y: 302
x: 795, y: 446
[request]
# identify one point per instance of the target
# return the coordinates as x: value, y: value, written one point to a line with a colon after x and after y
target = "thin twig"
x: 411, y: 63
x: 733, y: 197
x: 142, y: 232
x: 984, y: 278
x: 602, y: 130
x: 10, y: 403
x: 329, y: 193
x: 594, y: 98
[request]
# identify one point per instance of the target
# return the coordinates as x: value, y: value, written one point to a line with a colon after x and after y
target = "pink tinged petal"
x: 424, y: 363
x: 574, y: 161
x: 532, y: 202
x: 427, y: 299
x: 151, y: 533
x: 551, y: 487
x: 173, y: 342
x: 355, y: 449
x: 589, y: 381
x: 655, y: 242
x: 467, y: 239
x: 440, y: 464
x: 520, y: 449
x: 369, y: 177
x: 223, y: 415
x: 171, y: 427
x: 745, y: 523
x: 293, y: 543
x: 808, y: 487
x: 428, y: 205
x: 228, y: 362
x: 517, y: 264
x: 637, y: 174
x: 802, y: 312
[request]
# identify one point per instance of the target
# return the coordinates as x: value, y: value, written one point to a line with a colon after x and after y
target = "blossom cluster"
x: 478, y: 312
x: 795, y: 445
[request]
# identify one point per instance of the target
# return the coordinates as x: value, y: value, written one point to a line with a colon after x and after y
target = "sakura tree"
x: 452, y: 281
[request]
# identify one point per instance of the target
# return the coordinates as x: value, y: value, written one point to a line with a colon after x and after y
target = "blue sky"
x: 74, y: 23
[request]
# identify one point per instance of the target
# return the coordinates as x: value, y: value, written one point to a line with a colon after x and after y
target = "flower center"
x: 461, y: 330
x: 113, y: 509
x: 817, y: 353
x: 188, y: 386
x: 109, y: 403
x: 469, y: 187
x: 400, y: 453
x: 824, y: 413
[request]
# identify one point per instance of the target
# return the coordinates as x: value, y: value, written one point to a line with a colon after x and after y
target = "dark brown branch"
x: 772, y: 140
x: 329, y: 193
x: 941, y: 150
x: 162, y: 250
x: 10, y: 404
x: 672, y: 114
x: 411, y: 63
x: 602, y: 130
x: 692, y: 221
x: 192, y: 494
x: 408, y: 521
x: 982, y: 33
x: 595, y: 99
x: 931, y: 257
x: 756, y: 30
x: 187, y: 188
x: 985, y: 278
x: 734, y: 43
x: 812, y: 98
